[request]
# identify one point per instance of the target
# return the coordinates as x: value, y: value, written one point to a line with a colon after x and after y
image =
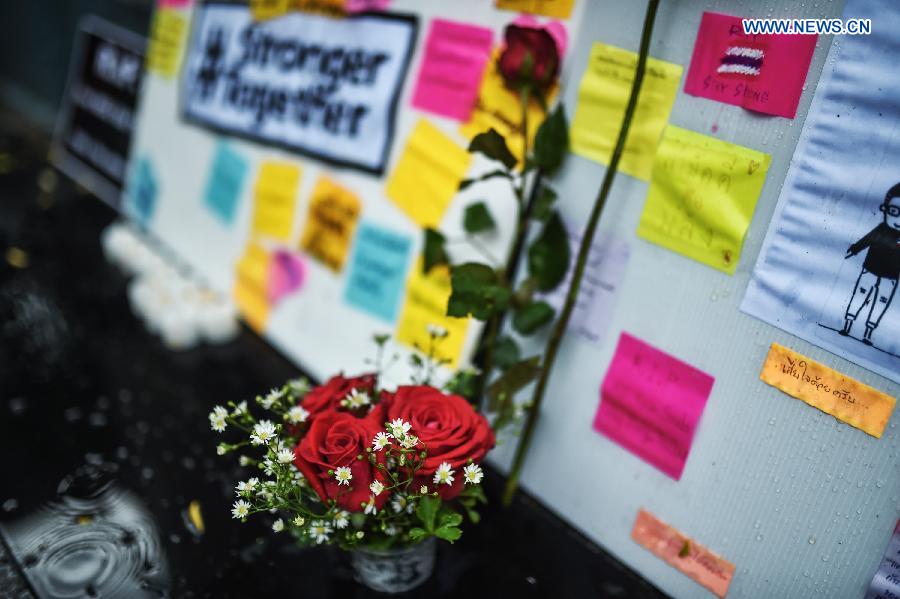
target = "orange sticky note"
x: 269, y: 9
x: 683, y: 553
x: 251, y: 286
x: 275, y: 196
x: 333, y: 212
x: 846, y: 399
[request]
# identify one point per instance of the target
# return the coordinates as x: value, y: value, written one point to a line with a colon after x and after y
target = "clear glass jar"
x: 397, y: 569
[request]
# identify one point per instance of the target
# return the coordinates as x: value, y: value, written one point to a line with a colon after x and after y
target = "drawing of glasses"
x: 890, y: 209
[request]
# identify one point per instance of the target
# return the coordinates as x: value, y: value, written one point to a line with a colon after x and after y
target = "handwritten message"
x: 251, y: 286
x: 602, y: 96
x: 427, y: 175
x: 650, y: 403
x: 846, y: 399
x: 142, y: 191
x: 702, y: 195
x: 275, y: 194
x: 167, y: 33
x: 225, y: 182
x: 886, y: 583
x: 333, y: 212
x: 377, y: 271
x: 683, y: 553
x: 560, y: 9
x: 452, y: 68
x: 318, y: 85
x: 764, y: 73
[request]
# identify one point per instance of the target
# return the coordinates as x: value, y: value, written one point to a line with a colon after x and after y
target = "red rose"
x: 335, y: 439
x: 448, y: 427
x: 329, y: 396
x: 530, y: 57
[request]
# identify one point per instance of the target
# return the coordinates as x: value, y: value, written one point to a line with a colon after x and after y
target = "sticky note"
x: 846, y: 399
x: 275, y: 195
x: 355, y: 6
x: 333, y: 212
x: 377, y: 271
x: 764, y: 73
x: 452, y: 68
x: 427, y: 175
x: 702, y: 195
x: 886, y: 582
x: 683, y: 553
x: 499, y: 108
x: 175, y: 3
x: 560, y: 9
x: 426, y: 304
x: 167, y: 35
x: 269, y: 9
x: 602, y: 97
x: 650, y: 403
x: 251, y: 285
x: 142, y: 191
x: 225, y: 183
x: 287, y: 273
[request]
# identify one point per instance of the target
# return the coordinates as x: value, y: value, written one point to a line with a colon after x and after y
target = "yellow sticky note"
x: 269, y: 9
x: 558, y: 9
x: 333, y: 212
x: 427, y: 175
x: 499, y: 108
x: 702, y: 195
x: 846, y: 399
x: 275, y: 196
x: 251, y: 285
x: 164, y: 49
x: 426, y: 304
x: 602, y: 96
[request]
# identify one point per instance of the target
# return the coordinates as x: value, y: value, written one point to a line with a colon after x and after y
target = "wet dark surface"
x: 105, y: 444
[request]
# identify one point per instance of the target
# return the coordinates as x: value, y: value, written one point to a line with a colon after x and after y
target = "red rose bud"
x: 530, y: 57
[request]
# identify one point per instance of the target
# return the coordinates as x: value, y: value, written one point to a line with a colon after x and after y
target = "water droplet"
x: 759, y: 537
x: 879, y: 483
x: 771, y: 422
x: 811, y: 540
x: 757, y: 524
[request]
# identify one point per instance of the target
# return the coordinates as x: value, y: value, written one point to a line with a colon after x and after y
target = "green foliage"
x: 491, y: 175
x: 427, y: 511
x: 463, y: 383
x: 552, y: 141
x: 477, y: 290
x: 435, y: 252
x: 514, y: 380
x: 548, y: 256
x: 493, y: 145
x: 478, y: 219
x: 543, y: 203
x: 530, y: 318
x: 437, y: 520
x: 506, y: 353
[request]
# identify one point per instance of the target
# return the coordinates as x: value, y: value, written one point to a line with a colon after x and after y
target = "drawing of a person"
x: 877, y: 281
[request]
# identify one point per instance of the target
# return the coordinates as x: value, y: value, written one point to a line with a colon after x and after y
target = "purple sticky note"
x: 452, y: 67
x: 286, y: 274
x: 650, y: 403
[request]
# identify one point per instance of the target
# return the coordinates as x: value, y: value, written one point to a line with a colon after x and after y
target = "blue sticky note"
x: 377, y: 271
x: 224, y: 183
x: 142, y: 191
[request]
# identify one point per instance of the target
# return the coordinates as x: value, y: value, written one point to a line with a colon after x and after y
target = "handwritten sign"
x: 287, y: 272
x: 846, y: 399
x: 651, y: 403
x: 602, y: 97
x: 886, y: 583
x: 225, y: 182
x: 426, y: 304
x: 702, y: 195
x: 251, y: 285
x: 683, y: 553
x: 142, y: 191
x: 167, y: 33
x: 559, y: 9
x: 311, y: 83
x: 451, y: 71
x: 275, y: 196
x: 333, y: 212
x: 377, y: 270
x: 427, y: 175
x: 764, y: 73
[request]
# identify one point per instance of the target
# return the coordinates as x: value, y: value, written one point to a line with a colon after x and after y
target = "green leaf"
x: 476, y: 290
x: 548, y: 256
x: 532, y: 317
x: 552, y: 141
x: 478, y: 219
x: 516, y: 377
x: 465, y: 183
x: 474, y: 516
x: 449, y: 518
x: 417, y: 533
x: 435, y: 252
x: 543, y: 203
x: 462, y: 383
x: 506, y: 353
x: 493, y: 145
x: 448, y: 533
x: 427, y: 511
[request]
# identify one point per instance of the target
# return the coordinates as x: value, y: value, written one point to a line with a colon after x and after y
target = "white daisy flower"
x: 245, y: 460
x: 221, y: 449
x: 381, y: 441
x: 436, y: 331
x: 319, y: 531
x: 391, y: 530
x: 217, y: 419
x: 399, y: 428
x: 285, y: 455
x: 263, y: 432
x: 356, y: 399
x: 278, y: 525
x: 247, y: 487
x: 472, y: 474
x: 409, y: 442
x: 443, y: 474
x: 376, y: 487
x: 240, y: 509
x: 341, y: 519
x: 296, y: 415
x: 401, y: 503
x: 240, y: 409
x: 298, y: 521
x: 343, y: 475
x: 299, y: 386
x: 270, y: 399
x: 268, y: 467
x: 370, y: 507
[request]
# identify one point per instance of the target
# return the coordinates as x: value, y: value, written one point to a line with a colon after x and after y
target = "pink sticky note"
x: 452, y: 67
x: 355, y: 6
x: 764, y: 73
x: 174, y: 3
x: 650, y: 403
x: 286, y: 274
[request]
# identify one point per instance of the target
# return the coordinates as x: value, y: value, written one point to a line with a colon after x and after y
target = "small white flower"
x: 240, y: 509
x: 245, y: 460
x: 221, y: 449
x: 376, y: 487
x: 247, y: 487
x: 285, y: 455
x: 299, y: 386
x: 296, y: 415
x: 298, y: 521
x: 263, y: 432
x: 472, y: 474
x: 270, y: 399
x: 268, y: 467
x: 278, y: 525
x: 399, y: 428
x: 341, y: 519
x: 356, y: 399
x: 401, y: 503
x: 443, y: 474
x: 343, y: 475
x: 423, y: 490
x: 217, y: 419
x: 319, y: 531
x: 360, y: 534
x: 436, y: 331
x: 391, y: 530
x: 240, y: 409
x: 370, y: 507
x: 381, y: 441
x: 409, y: 442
